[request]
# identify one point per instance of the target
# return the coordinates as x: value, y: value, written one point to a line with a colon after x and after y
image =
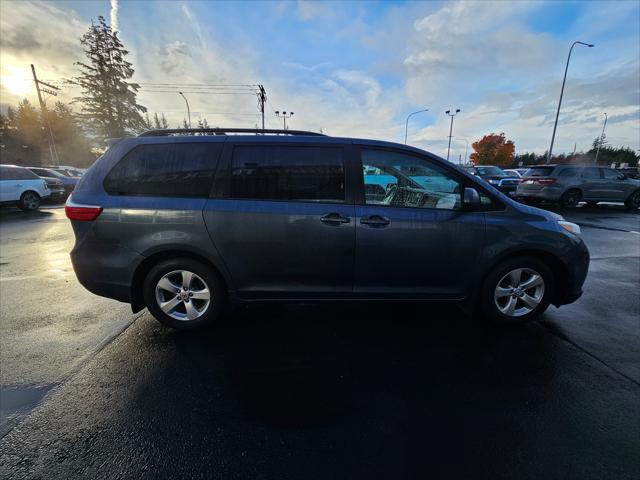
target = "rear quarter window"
x: 539, y: 172
x: 176, y: 169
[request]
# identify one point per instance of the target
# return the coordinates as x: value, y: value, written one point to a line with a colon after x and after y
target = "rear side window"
x: 539, y: 172
x: 177, y: 169
x: 308, y: 174
x: 591, y: 172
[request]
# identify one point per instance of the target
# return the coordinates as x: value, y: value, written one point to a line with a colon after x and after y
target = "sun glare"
x: 16, y: 83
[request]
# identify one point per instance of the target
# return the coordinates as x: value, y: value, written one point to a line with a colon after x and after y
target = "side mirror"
x: 470, y: 198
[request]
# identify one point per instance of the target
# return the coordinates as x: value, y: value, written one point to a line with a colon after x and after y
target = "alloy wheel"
x: 183, y: 295
x: 519, y: 292
x: 30, y: 201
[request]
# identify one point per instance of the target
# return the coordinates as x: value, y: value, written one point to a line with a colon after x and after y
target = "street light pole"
x: 448, y: 112
x: 406, y: 126
x: 601, y: 139
x: 188, y: 111
x: 284, y: 117
x: 564, y: 80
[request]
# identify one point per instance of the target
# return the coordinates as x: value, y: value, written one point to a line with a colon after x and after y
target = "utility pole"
x: 448, y: 112
x: 601, y: 139
x: 262, y: 98
x: 284, y: 117
x: 51, y: 90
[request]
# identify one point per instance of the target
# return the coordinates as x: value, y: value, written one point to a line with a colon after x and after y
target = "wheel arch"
x: 558, y: 268
x: 141, y: 271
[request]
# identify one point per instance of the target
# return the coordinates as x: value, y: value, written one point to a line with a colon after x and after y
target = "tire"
x: 633, y: 202
x: 186, y: 312
x: 29, y: 201
x: 494, y: 303
x: 570, y: 198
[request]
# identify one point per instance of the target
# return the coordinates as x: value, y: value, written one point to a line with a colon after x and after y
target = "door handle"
x: 375, y: 221
x: 334, y: 218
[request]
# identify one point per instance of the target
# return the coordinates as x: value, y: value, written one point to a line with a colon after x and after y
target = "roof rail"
x: 224, y: 131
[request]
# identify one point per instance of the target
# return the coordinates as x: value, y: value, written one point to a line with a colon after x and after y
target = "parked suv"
x: 68, y: 183
x: 181, y: 224
x: 21, y: 187
x: 568, y: 185
x: 503, y: 181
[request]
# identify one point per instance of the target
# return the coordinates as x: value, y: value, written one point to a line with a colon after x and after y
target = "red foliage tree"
x: 493, y: 149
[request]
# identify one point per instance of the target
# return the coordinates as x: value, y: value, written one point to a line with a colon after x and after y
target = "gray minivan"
x: 185, y: 224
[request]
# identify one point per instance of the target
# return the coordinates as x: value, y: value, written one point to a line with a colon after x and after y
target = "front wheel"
x: 633, y: 202
x: 516, y: 291
x: 29, y: 201
x: 184, y: 294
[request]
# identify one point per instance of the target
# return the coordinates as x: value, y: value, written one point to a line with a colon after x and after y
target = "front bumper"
x: 576, y: 266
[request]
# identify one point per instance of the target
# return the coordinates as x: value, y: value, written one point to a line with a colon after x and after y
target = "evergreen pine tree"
x: 108, y: 100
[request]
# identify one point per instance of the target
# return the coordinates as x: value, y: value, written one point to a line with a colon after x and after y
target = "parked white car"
x: 22, y: 187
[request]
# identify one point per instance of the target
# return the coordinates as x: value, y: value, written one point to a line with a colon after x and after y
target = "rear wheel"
x: 570, y: 199
x: 516, y: 291
x: 633, y: 202
x: 184, y: 294
x: 29, y: 201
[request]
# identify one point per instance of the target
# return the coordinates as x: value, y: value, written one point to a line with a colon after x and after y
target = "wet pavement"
x: 308, y: 391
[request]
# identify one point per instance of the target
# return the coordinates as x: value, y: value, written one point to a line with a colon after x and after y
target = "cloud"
x: 482, y: 57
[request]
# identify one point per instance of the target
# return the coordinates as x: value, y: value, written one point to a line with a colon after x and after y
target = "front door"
x: 284, y: 227
x: 616, y: 188
x: 413, y: 238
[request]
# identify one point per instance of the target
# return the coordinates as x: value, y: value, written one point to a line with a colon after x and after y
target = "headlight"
x: 569, y: 227
x: 494, y: 182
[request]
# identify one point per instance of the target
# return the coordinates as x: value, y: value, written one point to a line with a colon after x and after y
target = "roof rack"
x: 225, y: 131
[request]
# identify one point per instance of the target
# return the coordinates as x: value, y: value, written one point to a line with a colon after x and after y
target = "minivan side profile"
x: 185, y: 224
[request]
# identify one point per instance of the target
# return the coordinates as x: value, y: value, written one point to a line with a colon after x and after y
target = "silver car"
x: 569, y: 185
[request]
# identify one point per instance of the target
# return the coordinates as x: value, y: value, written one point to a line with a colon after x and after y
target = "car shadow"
x: 15, y: 214
x: 316, y: 365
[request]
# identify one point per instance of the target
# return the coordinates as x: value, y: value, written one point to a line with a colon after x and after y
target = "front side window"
x: 400, y: 180
x: 179, y: 169
x: 610, y: 174
x: 292, y: 173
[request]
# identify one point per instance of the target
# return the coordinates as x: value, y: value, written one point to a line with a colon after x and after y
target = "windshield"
x: 491, y: 171
x: 539, y: 172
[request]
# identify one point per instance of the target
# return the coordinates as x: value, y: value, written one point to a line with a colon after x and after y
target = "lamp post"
x: 564, y: 80
x: 406, y: 126
x: 466, y: 149
x: 601, y: 139
x: 448, y: 112
x: 188, y: 111
x: 284, y: 117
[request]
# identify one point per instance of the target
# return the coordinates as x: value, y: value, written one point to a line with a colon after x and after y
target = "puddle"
x: 16, y: 402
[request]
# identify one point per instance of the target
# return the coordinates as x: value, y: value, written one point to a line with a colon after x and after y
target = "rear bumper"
x: 105, y: 269
x: 550, y: 194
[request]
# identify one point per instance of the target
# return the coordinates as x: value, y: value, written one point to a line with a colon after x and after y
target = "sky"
x: 359, y: 68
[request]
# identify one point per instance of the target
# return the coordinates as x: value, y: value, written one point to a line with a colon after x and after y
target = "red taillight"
x: 83, y: 213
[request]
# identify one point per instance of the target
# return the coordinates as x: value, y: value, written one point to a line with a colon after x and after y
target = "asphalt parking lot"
x: 89, y: 390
